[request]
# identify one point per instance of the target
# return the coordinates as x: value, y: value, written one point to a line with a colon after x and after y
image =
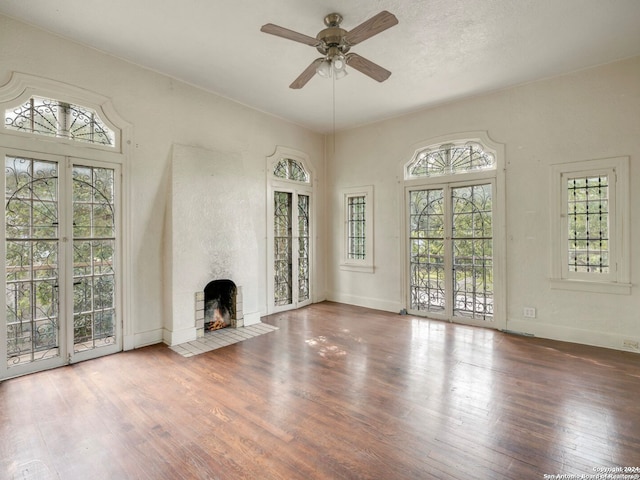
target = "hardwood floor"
x: 336, y: 392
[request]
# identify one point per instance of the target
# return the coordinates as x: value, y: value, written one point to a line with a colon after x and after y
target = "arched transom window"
x: 54, y: 118
x: 290, y: 169
x: 450, y: 159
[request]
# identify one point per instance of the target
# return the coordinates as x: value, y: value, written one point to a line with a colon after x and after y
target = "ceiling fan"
x: 334, y: 44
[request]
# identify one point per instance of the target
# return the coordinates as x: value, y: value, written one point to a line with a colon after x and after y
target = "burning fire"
x: 218, y: 321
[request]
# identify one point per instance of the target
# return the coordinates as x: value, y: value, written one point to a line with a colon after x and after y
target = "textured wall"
x: 212, y: 235
x: 585, y: 115
x: 164, y: 112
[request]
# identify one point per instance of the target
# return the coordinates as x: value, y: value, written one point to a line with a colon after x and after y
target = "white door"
x: 291, y: 249
x: 451, y: 274
x: 61, y: 270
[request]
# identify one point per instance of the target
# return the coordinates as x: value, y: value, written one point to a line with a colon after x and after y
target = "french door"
x: 450, y: 251
x: 61, y: 262
x: 291, y: 249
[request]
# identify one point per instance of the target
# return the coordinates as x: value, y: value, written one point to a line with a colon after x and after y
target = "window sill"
x: 593, y: 287
x: 350, y: 267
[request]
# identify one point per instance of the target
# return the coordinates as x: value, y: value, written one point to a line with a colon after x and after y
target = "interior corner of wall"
x: 128, y: 342
x: 176, y: 337
x: 251, y: 318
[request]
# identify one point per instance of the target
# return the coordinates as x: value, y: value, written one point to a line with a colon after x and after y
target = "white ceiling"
x: 441, y: 50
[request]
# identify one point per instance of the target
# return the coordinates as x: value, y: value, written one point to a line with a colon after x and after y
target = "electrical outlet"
x: 529, y: 312
x: 631, y: 345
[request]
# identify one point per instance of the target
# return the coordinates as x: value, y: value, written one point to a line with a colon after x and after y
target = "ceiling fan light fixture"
x: 324, y: 69
x: 340, y: 73
x: 339, y: 62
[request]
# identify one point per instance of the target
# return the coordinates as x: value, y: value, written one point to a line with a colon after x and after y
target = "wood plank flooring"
x: 337, y: 392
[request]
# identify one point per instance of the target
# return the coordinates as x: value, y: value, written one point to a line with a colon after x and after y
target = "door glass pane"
x: 426, y: 247
x: 472, y: 251
x: 303, y: 248
x: 93, y: 257
x: 31, y: 221
x: 282, y: 248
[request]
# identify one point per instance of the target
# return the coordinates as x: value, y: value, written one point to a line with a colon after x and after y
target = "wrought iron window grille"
x: 54, y: 118
x: 451, y: 159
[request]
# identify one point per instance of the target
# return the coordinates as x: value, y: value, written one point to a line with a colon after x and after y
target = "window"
x: 290, y: 169
x: 290, y: 239
x: 356, y: 224
x: 358, y: 229
x: 450, y: 159
x: 591, y: 246
x: 45, y: 116
x: 66, y: 254
x: 454, y: 243
x: 588, y: 214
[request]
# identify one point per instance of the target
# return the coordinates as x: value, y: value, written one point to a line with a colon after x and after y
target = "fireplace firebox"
x: 219, y: 306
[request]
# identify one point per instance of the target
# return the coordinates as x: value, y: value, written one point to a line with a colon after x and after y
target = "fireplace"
x: 219, y: 306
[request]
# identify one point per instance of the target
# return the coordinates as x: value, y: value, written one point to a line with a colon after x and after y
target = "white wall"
x: 589, y: 114
x: 210, y: 234
x: 586, y: 115
x: 164, y: 112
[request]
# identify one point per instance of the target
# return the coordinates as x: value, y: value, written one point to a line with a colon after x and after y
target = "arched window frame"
x: 22, y: 87
x: 19, y: 89
x: 285, y: 156
x: 451, y: 158
x: 496, y: 173
x: 54, y: 118
x: 291, y: 169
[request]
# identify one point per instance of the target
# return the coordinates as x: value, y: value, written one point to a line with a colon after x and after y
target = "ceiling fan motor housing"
x: 333, y: 36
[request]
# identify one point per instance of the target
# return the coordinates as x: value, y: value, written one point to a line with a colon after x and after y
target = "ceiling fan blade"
x: 371, y: 27
x: 305, y: 76
x: 289, y: 34
x: 367, y: 67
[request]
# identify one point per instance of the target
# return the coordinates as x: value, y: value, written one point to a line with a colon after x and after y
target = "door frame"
x: 67, y: 355
x: 296, y: 303
x: 448, y: 313
x: 276, y: 184
x: 498, y: 177
x: 17, y: 91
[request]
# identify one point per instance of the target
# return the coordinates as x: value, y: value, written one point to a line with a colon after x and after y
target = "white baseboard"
x: 251, y: 318
x: 368, y: 302
x: 572, y: 335
x: 143, y: 339
x: 177, y: 337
